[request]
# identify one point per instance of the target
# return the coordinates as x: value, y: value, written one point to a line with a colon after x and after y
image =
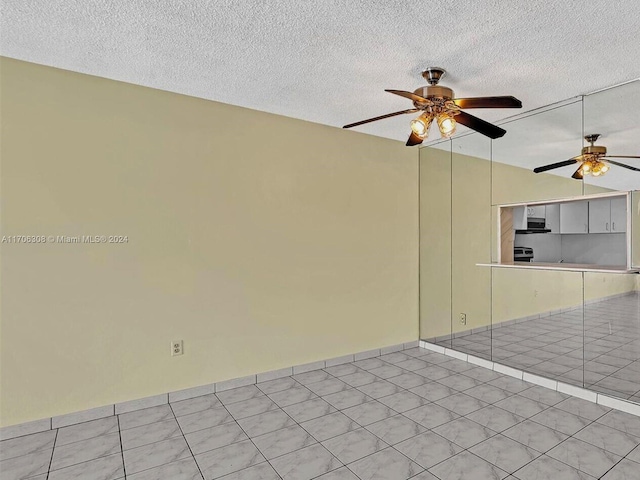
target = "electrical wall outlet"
x: 176, y: 348
x: 535, y: 293
x: 463, y: 318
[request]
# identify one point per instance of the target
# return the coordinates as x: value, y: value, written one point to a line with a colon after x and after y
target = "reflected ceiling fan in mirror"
x: 593, y: 160
x: 436, y: 102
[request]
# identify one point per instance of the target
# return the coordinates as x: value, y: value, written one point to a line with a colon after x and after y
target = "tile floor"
x: 414, y: 414
x: 557, y: 346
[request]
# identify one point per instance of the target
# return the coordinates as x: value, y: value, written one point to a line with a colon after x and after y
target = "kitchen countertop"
x: 571, y: 267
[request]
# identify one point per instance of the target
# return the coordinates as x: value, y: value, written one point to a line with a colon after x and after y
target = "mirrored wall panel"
x: 470, y: 243
x: 530, y: 243
x: 616, y: 136
x: 592, y: 230
x: 435, y: 243
x: 538, y: 140
x: 612, y: 334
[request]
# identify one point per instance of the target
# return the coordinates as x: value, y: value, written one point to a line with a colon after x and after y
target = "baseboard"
x: 65, y: 420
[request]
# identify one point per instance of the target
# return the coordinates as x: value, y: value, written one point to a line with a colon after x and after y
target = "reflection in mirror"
x: 538, y: 322
x: 589, y: 232
x: 612, y: 334
x: 545, y: 137
x: 612, y: 114
x: 470, y: 241
x: 541, y: 320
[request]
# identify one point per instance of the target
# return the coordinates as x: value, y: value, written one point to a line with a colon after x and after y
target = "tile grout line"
x: 52, y: 452
x: 124, y: 466
x: 250, y: 439
x: 560, y: 443
x: 185, y: 440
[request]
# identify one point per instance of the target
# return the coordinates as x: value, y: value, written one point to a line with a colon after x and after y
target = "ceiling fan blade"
x: 623, y: 165
x: 479, y: 125
x: 410, y: 96
x: 381, y: 117
x: 551, y: 166
x: 414, y: 140
x: 488, y: 102
x: 578, y: 175
x: 620, y: 156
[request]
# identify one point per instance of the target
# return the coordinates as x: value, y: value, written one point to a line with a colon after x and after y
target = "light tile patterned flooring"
x: 557, y: 346
x: 412, y: 414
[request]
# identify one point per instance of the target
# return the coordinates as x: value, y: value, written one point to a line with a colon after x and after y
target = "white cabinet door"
x: 619, y: 214
x: 600, y: 215
x: 552, y: 217
x: 574, y: 217
x: 536, y: 211
x: 520, y: 218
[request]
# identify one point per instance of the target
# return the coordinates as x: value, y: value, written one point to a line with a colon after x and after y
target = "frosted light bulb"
x: 420, y: 126
x: 447, y: 125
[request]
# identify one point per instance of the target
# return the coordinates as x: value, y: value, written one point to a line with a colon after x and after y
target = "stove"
x: 522, y: 254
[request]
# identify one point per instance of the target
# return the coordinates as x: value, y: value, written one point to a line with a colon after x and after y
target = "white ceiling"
x: 330, y: 61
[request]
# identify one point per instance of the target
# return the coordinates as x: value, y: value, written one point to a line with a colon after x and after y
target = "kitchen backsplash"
x: 600, y: 248
x: 546, y: 247
x: 594, y: 248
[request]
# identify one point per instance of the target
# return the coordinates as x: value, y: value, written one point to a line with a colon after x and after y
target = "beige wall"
x: 513, y: 184
x: 435, y: 242
x: 456, y: 235
x: 261, y: 241
x: 471, y: 292
x: 520, y: 293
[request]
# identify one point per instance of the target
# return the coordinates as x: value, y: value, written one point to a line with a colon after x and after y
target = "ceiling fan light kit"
x: 593, y: 160
x: 436, y: 102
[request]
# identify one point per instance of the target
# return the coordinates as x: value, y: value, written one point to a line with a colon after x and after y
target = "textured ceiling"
x: 330, y: 61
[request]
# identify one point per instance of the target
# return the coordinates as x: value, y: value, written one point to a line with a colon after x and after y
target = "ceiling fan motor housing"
x: 433, y: 92
x: 594, y: 150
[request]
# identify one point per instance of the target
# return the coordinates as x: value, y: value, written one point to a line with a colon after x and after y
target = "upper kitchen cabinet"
x: 608, y: 215
x: 536, y: 211
x: 574, y: 217
x: 600, y: 216
x: 619, y: 214
x: 552, y: 217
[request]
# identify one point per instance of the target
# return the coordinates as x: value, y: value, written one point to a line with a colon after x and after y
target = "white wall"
x: 547, y: 247
x: 595, y: 248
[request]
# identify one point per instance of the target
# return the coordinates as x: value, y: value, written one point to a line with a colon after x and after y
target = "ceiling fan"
x: 593, y: 160
x: 438, y: 102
